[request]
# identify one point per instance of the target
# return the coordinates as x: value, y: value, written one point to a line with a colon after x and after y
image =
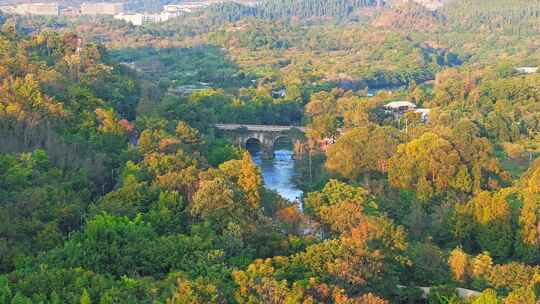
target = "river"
x: 279, y: 173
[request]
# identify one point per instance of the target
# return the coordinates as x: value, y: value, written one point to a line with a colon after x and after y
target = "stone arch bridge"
x: 264, y: 135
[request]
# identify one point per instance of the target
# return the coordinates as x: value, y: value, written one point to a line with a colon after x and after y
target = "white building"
x: 399, y: 108
x: 169, y: 12
x: 138, y: 18
x: 38, y: 9
x: 176, y: 10
x: 527, y: 70
x: 102, y: 8
x: 166, y: 15
x: 186, y: 7
x: 7, y: 9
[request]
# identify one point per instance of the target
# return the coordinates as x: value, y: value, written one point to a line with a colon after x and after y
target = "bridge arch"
x: 282, y: 141
x: 253, y: 144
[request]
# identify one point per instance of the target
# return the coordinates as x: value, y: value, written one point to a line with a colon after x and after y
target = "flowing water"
x: 279, y: 173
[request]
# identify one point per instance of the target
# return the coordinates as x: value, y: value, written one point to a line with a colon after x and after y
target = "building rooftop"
x: 400, y: 104
x: 527, y: 70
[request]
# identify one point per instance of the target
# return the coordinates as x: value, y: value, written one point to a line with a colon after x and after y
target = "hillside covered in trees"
x: 116, y: 186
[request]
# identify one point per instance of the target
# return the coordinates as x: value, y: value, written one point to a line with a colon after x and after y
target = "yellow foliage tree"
x: 459, y: 264
x: 428, y: 165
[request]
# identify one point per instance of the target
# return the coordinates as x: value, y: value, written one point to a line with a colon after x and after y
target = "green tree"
x: 85, y: 298
x: 428, y: 265
x: 493, y: 222
x: 5, y: 291
x: 109, y: 244
x: 321, y: 109
x: 20, y: 299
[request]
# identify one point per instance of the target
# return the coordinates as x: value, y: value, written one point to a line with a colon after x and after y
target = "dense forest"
x: 116, y: 186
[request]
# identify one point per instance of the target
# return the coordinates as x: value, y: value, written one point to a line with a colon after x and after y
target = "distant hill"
x: 411, y: 16
x: 516, y: 17
x: 275, y: 9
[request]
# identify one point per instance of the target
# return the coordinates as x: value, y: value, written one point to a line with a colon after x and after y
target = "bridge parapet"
x: 259, y: 128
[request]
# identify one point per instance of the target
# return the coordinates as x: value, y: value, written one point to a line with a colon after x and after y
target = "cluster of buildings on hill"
x: 41, y: 9
x: 172, y: 11
x: 169, y: 12
x: 116, y: 9
x: 55, y: 9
